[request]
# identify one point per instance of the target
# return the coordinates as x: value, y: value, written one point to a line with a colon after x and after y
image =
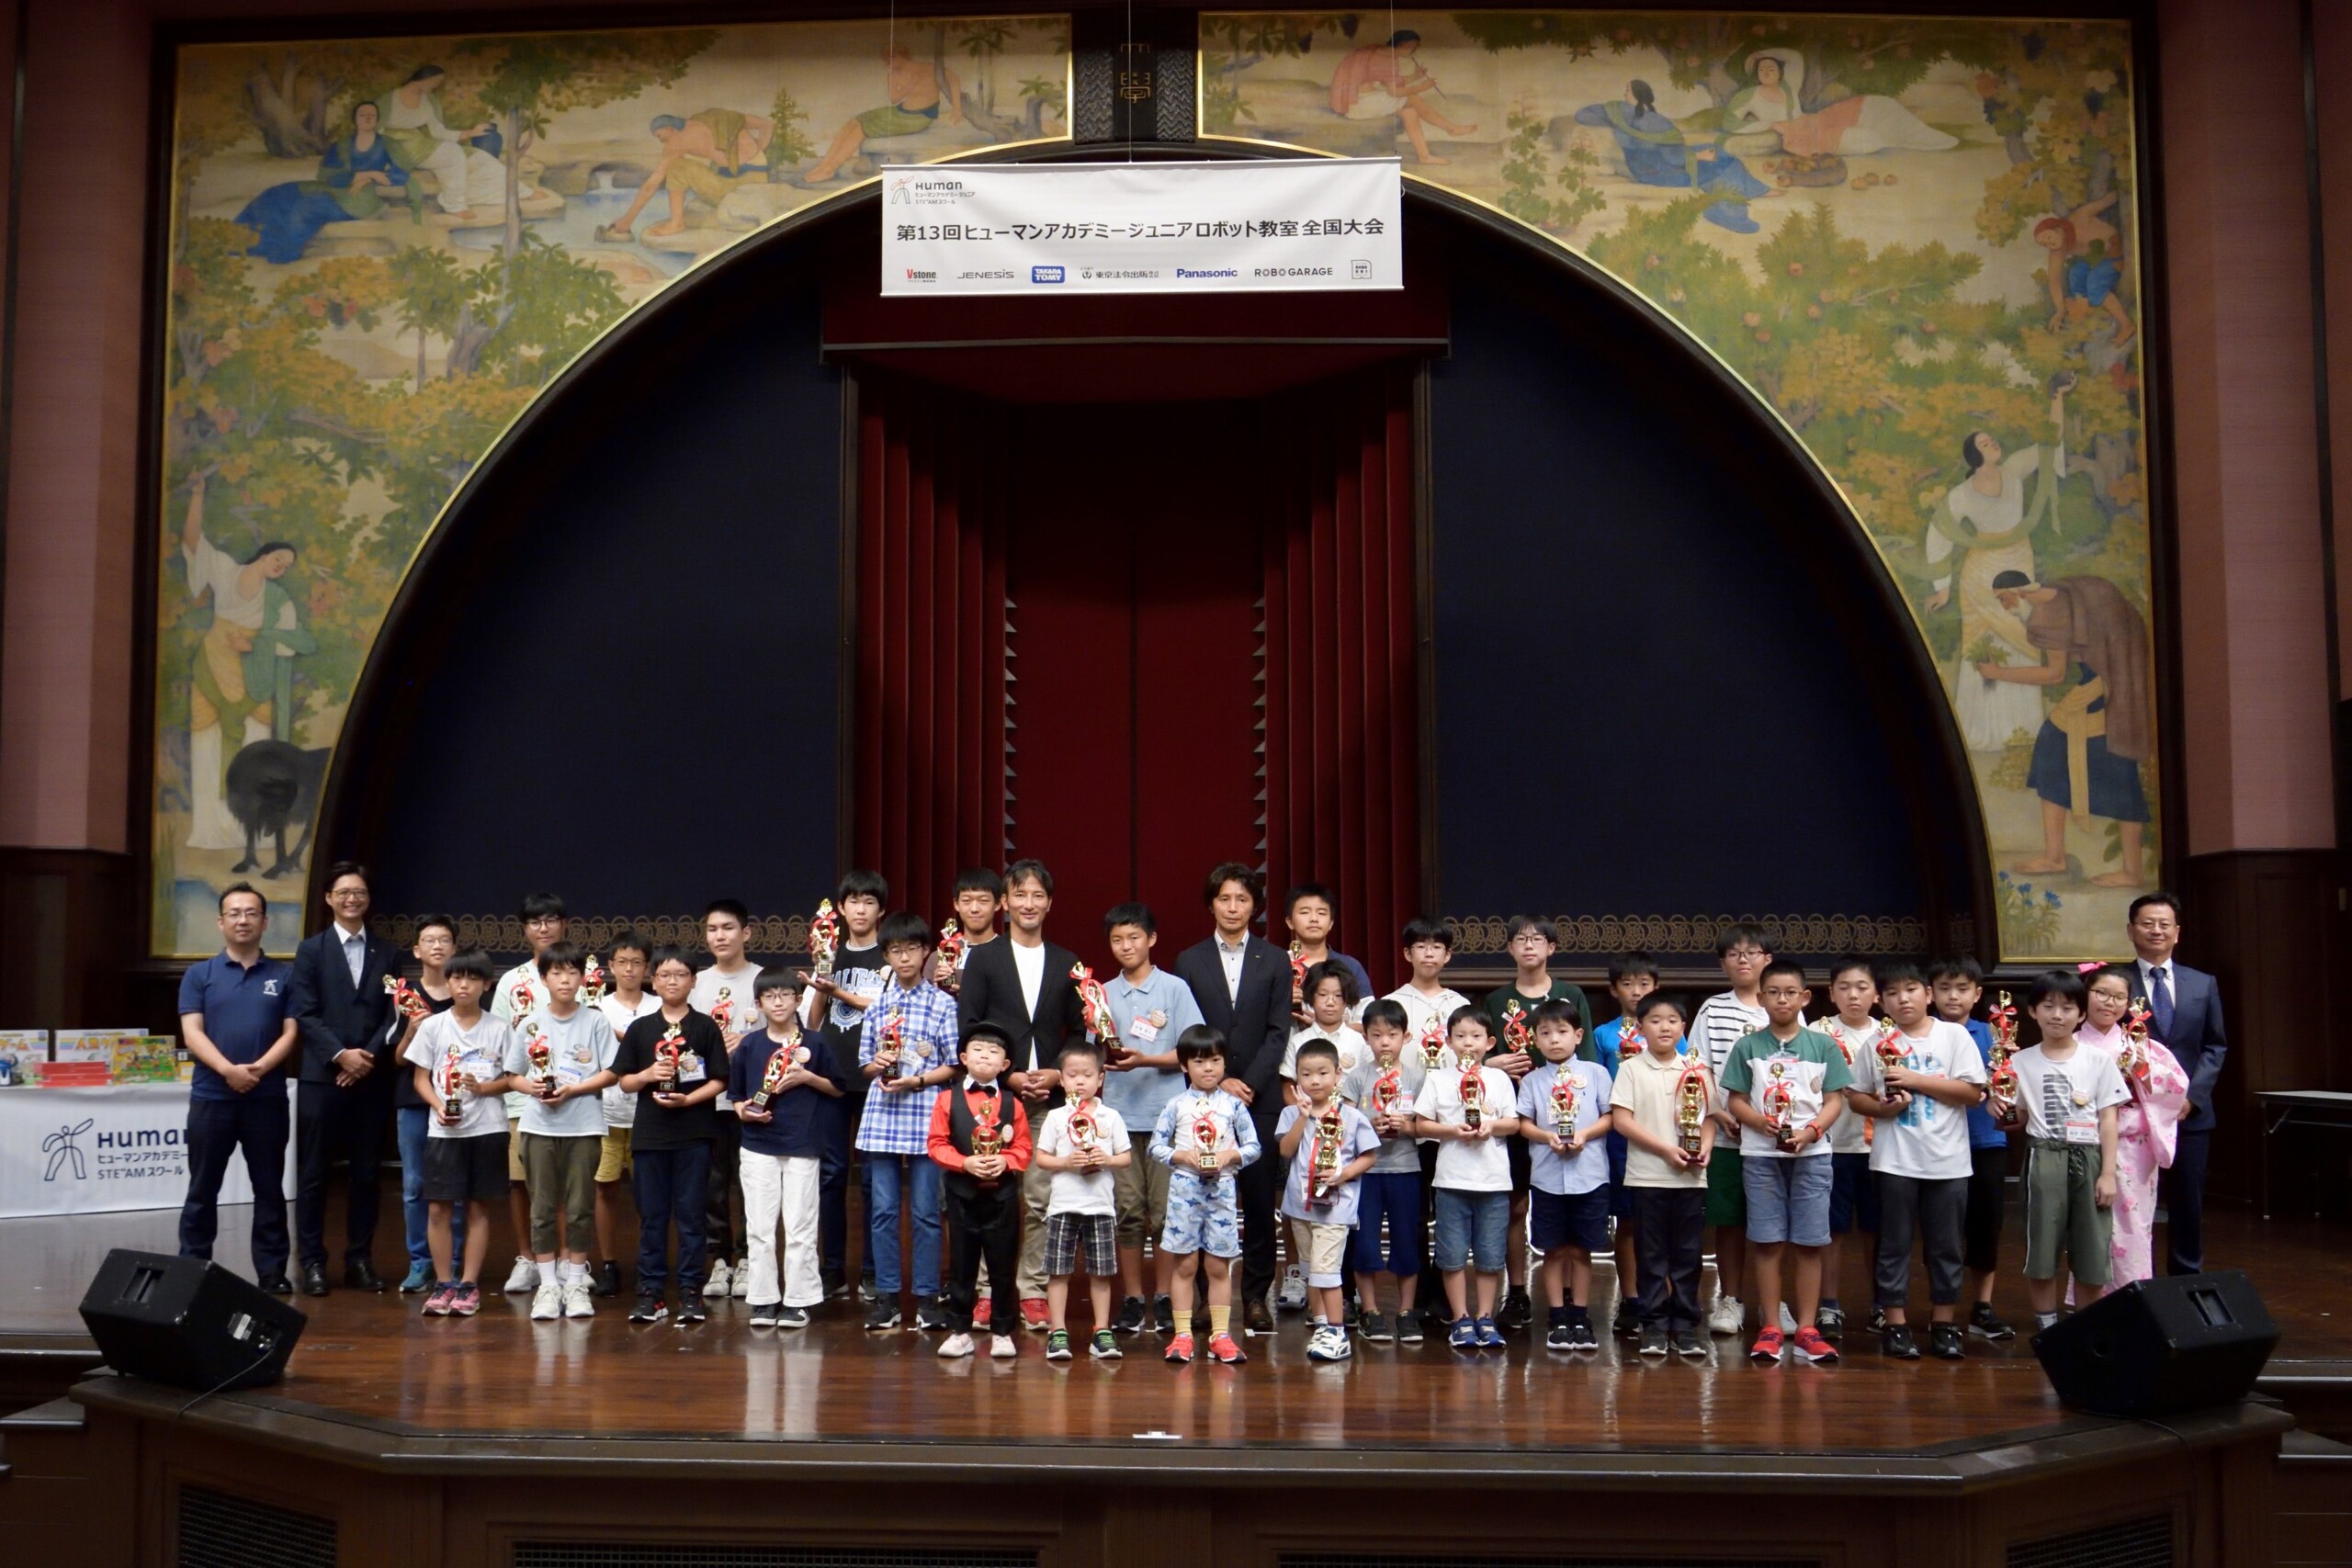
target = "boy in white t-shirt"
x: 516, y: 995
x: 1919, y: 1085
x: 1331, y: 997
x: 1722, y: 1022
x: 1329, y: 1144
x: 460, y: 1057
x: 1427, y: 1001
x: 560, y: 1060
x: 979, y: 898
x: 2066, y: 1107
x: 726, y: 991
x: 627, y: 1001
x: 1563, y: 1113
x: 1853, y: 1196
x: 1470, y: 1109
x: 1082, y: 1142
x: 1667, y: 1180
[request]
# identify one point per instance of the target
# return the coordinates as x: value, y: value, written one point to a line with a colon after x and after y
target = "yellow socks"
x: 1183, y: 1321
x: 1220, y: 1317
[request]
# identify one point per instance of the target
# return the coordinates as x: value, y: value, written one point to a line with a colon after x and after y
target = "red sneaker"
x: 1767, y: 1346
x: 1180, y: 1348
x: 982, y: 1311
x: 1223, y: 1351
x: 1813, y: 1347
x: 1036, y: 1315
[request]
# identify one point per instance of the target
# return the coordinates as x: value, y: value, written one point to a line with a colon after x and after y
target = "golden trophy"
x: 1781, y: 1107
x: 1691, y: 1108
x: 1567, y: 1099
x: 1094, y: 1008
x: 1205, y: 1134
x: 541, y: 1056
x: 1473, y: 1098
x: 1298, y: 974
x: 824, y: 938
x: 1323, y: 1164
x: 2001, y: 1078
x: 771, y: 1079
x: 450, y: 1081
x: 406, y: 999
x: 593, y: 981
x: 1433, y: 1047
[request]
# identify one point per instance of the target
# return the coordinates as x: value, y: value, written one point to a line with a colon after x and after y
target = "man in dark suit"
x: 2187, y: 1008
x: 1242, y: 983
x: 343, y: 1101
x: 1022, y: 984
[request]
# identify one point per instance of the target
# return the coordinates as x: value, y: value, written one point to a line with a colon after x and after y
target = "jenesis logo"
x: 1045, y: 275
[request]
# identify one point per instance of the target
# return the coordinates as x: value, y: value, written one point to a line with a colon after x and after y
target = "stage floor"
x: 372, y: 1361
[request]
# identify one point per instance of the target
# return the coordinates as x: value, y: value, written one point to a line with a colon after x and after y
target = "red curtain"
x: 1340, y: 662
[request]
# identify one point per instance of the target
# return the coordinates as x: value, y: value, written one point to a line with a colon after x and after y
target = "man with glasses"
x: 2186, y: 1005
x: 343, y: 1102
x: 233, y: 1017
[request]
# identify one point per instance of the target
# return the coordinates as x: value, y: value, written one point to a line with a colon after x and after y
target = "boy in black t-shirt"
x: 839, y: 1001
x: 672, y: 1061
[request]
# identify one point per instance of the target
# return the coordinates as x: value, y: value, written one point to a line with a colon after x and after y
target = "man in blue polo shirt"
x: 233, y: 1020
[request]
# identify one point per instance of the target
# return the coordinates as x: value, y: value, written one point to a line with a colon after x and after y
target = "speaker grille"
x: 2135, y: 1543
x: 1433, y: 1559
x: 629, y: 1555
x: 221, y: 1531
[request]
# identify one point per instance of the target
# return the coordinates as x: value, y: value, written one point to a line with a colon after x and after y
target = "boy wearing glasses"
x: 1722, y: 1020
x: 519, y: 992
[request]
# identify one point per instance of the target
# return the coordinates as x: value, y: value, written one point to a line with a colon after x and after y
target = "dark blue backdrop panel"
x: 628, y: 696
x: 1644, y: 705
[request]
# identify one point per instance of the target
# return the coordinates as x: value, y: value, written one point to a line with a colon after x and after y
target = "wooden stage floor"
x: 369, y: 1361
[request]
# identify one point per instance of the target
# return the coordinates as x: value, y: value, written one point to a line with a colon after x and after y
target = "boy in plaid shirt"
x: 908, y: 1052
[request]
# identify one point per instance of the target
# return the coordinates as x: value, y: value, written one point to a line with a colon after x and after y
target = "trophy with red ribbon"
x: 594, y: 981
x: 1690, y: 1108
x: 1323, y: 1164
x: 1094, y: 1008
x: 2001, y: 1076
x: 722, y: 1011
x: 406, y: 999
x: 670, y: 1048
x: 772, y: 1080
x: 824, y: 938
x: 2133, y: 1058
x: 1781, y: 1107
x: 1085, y: 1130
x: 1433, y: 1047
x: 1517, y: 1036
x: 450, y: 1082
x: 896, y: 1059
x: 1297, y: 973
x: 1630, y: 1042
x: 522, y: 1001
x: 952, y: 942
x: 541, y: 1056
x: 1567, y: 1099
x: 1388, y: 1090
x: 988, y: 1134
x: 1207, y: 1132
x: 1473, y: 1098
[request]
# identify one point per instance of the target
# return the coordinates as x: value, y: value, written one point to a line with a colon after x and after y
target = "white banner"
x: 1307, y: 223
x: 88, y: 1151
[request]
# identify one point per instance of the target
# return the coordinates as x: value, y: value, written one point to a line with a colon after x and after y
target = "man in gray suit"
x: 2186, y: 1005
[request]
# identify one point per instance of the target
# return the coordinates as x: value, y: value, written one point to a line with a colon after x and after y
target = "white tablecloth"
x: 88, y: 1151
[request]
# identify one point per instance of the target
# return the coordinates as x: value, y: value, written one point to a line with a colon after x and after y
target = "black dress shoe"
x: 1255, y: 1318
x: 315, y: 1279
x: 360, y: 1275
x: 275, y: 1284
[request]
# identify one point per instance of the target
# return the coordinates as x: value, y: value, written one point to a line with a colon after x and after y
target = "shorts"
x: 2061, y: 1213
x: 1577, y: 1219
x: 1324, y: 1249
x: 612, y: 1156
x: 1139, y: 1189
x: 465, y: 1170
x: 1202, y: 1218
x: 1727, y: 1188
x: 1853, y: 1196
x: 1393, y: 1196
x: 1472, y: 1224
x: 1788, y: 1198
x: 1093, y: 1237
x: 515, y: 1171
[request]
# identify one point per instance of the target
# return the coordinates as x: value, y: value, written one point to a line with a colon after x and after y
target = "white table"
x: 91, y: 1151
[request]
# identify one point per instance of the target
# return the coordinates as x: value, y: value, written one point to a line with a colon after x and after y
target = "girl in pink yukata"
x: 2147, y: 1124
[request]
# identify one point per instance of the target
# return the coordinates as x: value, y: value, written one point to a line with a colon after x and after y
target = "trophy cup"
x: 593, y: 982
x: 722, y: 1012
x: 1781, y: 1108
x: 1094, y: 1008
x: 1297, y: 973
x: 670, y: 1048
x: 1517, y: 1036
x: 2133, y: 1058
x: 449, y: 1080
x: 2001, y: 1079
x: 896, y: 1060
x: 1630, y: 1042
x: 1433, y: 1046
x: 1690, y: 1108
x: 772, y: 1080
x: 522, y: 1001
x: 1205, y: 1136
x: 1323, y: 1164
x: 824, y: 938
x: 951, y: 944
x: 1473, y: 1098
x: 406, y: 1000
x: 1387, y: 1090
x: 1085, y: 1130
x: 541, y: 1056
x: 988, y: 1134
x: 1567, y: 1097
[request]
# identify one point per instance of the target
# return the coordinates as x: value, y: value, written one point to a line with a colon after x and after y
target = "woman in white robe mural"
x: 1988, y: 517
x: 472, y: 183
x: 1863, y: 123
x: 243, y: 676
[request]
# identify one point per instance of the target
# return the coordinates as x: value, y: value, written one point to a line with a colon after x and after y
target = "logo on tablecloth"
x: 61, y: 1148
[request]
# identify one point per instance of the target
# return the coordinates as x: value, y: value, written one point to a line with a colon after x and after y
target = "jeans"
x: 1394, y: 1195
x: 1471, y: 1223
x: 257, y: 1123
x: 338, y: 1125
x: 413, y: 1122
x: 916, y: 1178
x: 670, y: 1184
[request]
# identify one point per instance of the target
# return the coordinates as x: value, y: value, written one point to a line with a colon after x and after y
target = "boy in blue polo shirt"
x: 1563, y: 1113
x: 234, y: 1021
x: 783, y: 1148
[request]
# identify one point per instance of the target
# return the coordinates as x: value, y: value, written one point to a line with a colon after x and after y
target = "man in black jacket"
x: 343, y: 1101
x: 1022, y: 984
x: 1242, y: 983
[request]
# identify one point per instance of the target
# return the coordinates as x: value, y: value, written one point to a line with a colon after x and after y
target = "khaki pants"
x: 563, y: 1174
x: 1141, y: 1192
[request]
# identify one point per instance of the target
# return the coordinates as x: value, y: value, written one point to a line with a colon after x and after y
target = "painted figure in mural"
x: 1383, y: 81
x: 1852, y: 126
x: 919, y: 94
x: 2086, y: 757
x: 1657, y: 155
x: 243, y: 683
x: 2085, y: 264
x: 1988, y: 518
x: 705, y: 154
x: 354, y: 172
x: 472, y: 182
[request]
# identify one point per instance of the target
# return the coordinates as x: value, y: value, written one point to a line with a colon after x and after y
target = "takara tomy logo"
x: 1045, y: 275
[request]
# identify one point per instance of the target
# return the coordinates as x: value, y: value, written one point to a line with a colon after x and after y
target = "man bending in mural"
x: 243, y: 678
x: 2085, y: 264
x: 919, y: 94
x: 1656, y: 154
x: 2087, y: 757
x: 705, y: 154
x: 1383, y: 81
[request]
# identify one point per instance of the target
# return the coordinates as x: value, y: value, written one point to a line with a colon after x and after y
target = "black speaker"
x: 2180, y: 1342
x: 188, y: 1322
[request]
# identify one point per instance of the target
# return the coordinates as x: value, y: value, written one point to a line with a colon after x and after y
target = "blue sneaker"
x: 420, y: 1278
x: 1465, y: 1336
x: 1489, y: 1336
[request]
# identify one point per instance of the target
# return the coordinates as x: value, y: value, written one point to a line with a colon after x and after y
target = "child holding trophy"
x: 783, y: 1078
x: 1384, y: 1089
x: 1083, y: 1141
x: 907, y: 1054
x: 460, y: 1057
x: 1330, y: 1144
x: 1203, y: 1135
x: 979, y: 1139
x: 1470, y: 1109
x: 560, y: 1061
x: 667, y: 1059
x: 2068, y: 1094
x: 1660, y: 1102
x: 1563, y: 1113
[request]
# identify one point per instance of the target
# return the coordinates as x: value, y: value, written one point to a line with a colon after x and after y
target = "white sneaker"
x: 1002, y: 1346
x: 955, y: 1344
x: 720, y: 1282
x: 525, y: 1278
x: 1292, y: 1297
x: 1320, y: 1346
x: 741, y: 1285
x: 546, y: 1301
x: 1728, y: 1317
x: 1787, y: 1320
x: 577, y: 1302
